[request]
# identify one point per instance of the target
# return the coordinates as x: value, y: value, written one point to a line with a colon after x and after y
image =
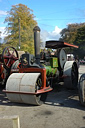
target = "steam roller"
x: 27, y: 82
x: 31, y: 77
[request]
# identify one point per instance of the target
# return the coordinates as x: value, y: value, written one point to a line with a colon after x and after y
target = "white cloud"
x: 45, y: 35
x: 3, y: 34
x: 3, y: 12
x: 53, y: 35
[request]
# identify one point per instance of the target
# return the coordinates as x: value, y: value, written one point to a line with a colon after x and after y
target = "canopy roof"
x: 58, y: 44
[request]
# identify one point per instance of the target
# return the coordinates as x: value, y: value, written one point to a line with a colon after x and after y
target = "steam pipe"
x: 37, y: 43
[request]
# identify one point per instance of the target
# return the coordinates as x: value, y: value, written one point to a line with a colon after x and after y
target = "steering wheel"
x: 9, y: 56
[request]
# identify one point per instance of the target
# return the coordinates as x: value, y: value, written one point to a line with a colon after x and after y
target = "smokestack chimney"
x: 37, y: 43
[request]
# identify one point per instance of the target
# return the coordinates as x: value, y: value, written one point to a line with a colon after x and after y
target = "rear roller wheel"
x: 71, y: 73
x: 25, y: 82
x: 81, y: 89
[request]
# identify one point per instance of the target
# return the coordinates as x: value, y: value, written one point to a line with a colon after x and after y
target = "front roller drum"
x: 81, y: 89
x: 29, y: 84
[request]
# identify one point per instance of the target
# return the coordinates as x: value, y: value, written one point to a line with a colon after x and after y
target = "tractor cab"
x: 58, y: 52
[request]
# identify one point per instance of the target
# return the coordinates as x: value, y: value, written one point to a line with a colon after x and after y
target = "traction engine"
x: 31, y: 77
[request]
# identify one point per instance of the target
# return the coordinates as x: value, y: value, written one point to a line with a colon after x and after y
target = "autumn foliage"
x: 20, y: 16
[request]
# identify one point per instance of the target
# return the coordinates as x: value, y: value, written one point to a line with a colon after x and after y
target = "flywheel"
x: 62, y: 58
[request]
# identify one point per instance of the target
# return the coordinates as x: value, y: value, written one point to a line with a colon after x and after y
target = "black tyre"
x: 71, y: 71
x: 81, y: 89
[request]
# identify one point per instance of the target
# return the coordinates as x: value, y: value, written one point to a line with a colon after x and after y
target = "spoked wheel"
x: 41, y: 97
x: 71, y: 73
x: 81, y: 89
x: 9, y: 56
x: 25, y: 85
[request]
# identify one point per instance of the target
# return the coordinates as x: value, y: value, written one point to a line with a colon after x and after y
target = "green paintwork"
x: 50, y: 71
x: 54, y: 62
x: 52, y: 68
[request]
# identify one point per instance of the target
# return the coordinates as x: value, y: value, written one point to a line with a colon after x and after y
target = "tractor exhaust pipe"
x: 37, y: 43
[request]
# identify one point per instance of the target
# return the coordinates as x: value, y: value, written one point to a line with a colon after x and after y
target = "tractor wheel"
x: 9, y: 56
x: 81, y: 89
x: 71, y: 75
x: 25, y: 85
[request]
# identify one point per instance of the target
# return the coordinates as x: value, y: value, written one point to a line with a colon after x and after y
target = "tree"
x: 0, y: 36
x: 20, y: 15
x: 69, y: 34
x: 75, y: 34
x: 0, y: 43
x: 80, y: 41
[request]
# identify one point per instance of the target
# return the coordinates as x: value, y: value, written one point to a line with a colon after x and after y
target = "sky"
x: 51, y: 15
